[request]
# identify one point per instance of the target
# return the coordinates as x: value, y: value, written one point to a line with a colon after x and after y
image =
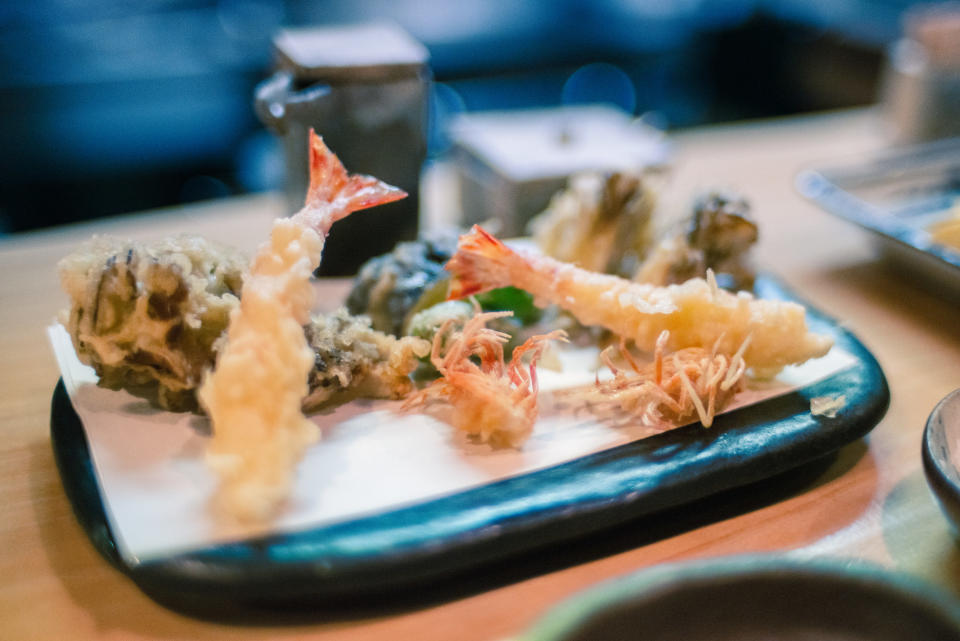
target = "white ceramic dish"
x: 896, y: 196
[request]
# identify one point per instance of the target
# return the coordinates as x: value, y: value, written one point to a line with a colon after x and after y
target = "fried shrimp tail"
x: 334, y: 194
x: 696, y: 313
x: 254, y: 395
x: 481, y: 263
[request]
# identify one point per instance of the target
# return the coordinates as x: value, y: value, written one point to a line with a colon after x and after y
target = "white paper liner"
x: 371, y: 458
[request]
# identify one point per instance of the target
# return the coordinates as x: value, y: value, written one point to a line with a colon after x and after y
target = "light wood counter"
x: 870, y: 502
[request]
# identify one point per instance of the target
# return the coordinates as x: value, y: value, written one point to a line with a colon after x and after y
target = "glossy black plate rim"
x: 906, y: 597
x: 454, y: 535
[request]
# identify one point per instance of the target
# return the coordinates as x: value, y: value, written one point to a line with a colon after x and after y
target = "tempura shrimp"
x: 253, y: 397
x: 696, y: 313
x: 493, y: 401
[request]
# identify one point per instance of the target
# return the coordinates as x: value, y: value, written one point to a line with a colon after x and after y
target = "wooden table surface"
x: 869, y: 502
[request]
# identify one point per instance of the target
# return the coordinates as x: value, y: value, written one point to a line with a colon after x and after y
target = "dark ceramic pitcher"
x: 365, y: 90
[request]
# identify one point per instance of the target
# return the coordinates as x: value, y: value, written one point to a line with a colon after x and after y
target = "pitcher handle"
x: 276, y: 100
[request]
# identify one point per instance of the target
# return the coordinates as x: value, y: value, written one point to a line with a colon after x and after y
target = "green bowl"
x: 756, y: 598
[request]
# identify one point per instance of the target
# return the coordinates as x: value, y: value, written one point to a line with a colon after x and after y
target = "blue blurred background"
x: 109, y: 106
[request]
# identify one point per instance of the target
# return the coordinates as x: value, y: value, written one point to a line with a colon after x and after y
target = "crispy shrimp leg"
x: 493, y: 401
x: 254, y: 394
x: 673, y: 389
x: 696, y: 313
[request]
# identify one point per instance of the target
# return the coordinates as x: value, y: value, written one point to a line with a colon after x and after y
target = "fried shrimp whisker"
x: 494, y: 401
x: 692, y: 383
x: 737, y: 371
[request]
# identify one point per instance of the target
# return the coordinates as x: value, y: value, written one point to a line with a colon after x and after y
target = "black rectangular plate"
x: 442, y: 539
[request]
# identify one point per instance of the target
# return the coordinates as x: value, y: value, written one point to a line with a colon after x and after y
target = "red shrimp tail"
x: 330, y: 183
x: 481, y: 263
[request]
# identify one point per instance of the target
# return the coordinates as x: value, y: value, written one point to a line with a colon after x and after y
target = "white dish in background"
x: 941, y: 455
x: 897, y: 195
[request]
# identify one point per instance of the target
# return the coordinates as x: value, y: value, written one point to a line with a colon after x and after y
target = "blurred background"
x: 109, y: 106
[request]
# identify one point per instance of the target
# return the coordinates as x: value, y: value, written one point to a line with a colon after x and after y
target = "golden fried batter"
x: 146, y: 317
x: 718, y: 238
x: 355, y: 360
x: 603, y: 223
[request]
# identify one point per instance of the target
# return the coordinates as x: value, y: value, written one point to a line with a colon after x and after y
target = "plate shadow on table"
x: 611, y: 541
x: 934, y: 547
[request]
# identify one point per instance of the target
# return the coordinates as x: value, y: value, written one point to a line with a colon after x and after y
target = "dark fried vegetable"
x: 719, y: 235
x: 354, y: 360
x: 388, y: 288
x: 601, y: 222
x: 724, y: 231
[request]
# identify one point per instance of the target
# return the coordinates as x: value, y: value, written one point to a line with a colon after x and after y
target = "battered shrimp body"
x: 696, y: 313
x: 253, y: 397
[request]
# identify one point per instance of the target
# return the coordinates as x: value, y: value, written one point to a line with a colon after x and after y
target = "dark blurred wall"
x: 109, y: 106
